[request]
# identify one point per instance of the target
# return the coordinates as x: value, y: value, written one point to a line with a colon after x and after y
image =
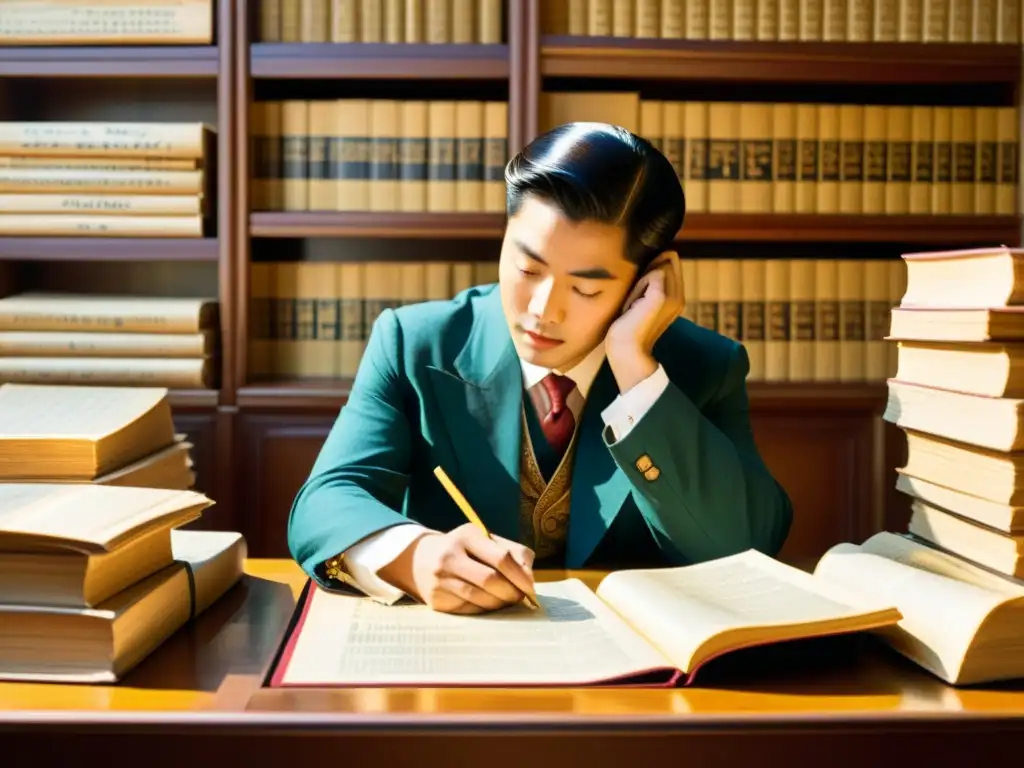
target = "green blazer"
x: 440, y: 384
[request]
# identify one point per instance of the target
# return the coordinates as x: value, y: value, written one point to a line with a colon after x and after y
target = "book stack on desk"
x: 94, y: 578
x: 122, y: 436
x: 958, y: 394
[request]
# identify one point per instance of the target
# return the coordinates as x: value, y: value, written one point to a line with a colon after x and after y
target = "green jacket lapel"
x: 599, y: 488
x: 480, y: 400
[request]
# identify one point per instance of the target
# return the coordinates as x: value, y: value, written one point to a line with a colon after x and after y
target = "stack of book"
x: 101, y: 22
x: 110, y: 436
x: 958, y: 394
x: 94, y: 578
x: 109, y: 340
x: 105, y: 179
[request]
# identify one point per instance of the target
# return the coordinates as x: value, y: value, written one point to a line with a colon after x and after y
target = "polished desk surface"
x: 207, y: 671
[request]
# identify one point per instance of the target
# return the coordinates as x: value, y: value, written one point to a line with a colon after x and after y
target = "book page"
x: 681, y: 610
x: 573, y: 639
x: 943, y: 600
x: 86, y: 517
x: 57, y: 412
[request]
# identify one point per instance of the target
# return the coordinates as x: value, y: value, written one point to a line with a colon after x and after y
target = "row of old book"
x: 97, y: 565
x: 96, y: 22
x: 800, y: 319
x: 379, y: 155
x: 823, y: 158
x: 381, y: 21
x: 904, y: 21
x: 106, y: 179
x: 107, y: 340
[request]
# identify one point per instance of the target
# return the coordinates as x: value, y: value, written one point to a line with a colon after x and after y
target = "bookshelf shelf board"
x: 187, y: 399
x: 330, y: 395
x: 179, y: 61
x: 421, y: 61
x: 108, y: 249
x: 376, y: 224
x: 785, y: 227
x: 811, y: 62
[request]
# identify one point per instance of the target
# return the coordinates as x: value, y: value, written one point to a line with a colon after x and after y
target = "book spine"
x: 82, y: 344
x: 36, y: 225
x: 131, y: 205
x: 103, y: 139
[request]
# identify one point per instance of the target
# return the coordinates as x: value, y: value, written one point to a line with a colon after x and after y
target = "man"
x: 587, y: 424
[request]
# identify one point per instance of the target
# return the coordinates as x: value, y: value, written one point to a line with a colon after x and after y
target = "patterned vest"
x: 544, y: 505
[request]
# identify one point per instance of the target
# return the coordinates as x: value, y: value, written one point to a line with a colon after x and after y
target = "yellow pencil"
x: 471, y: 515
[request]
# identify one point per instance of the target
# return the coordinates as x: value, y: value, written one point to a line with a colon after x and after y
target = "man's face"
x: 562, y: 283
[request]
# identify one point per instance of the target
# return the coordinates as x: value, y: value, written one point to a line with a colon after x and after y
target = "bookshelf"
x: 257, y: 435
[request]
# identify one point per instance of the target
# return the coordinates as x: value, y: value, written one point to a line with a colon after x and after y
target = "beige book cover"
x: 851, y: 157
x: 826, y: 320
x: 778, y: 333
x: 295, y: 154
x: 875, y: 158
x: 784, y: 157
x: 924, y: 159
x: 802, y: 321
x: 344, y: 20
x: 723, y: 169
x: 412, y: 156
x: 808, y: 158
x: 469, y: 156
x: 830, y: 172
x: 313, y: 20
x: 385, y: 134
x: 754, y: 286
x: 351, y: 157
x: 942, y: 174
x: 757, y: 172
x: 696, y: 135
x: 852, y: 319
x: 899, y: 167
x: 441, y: 153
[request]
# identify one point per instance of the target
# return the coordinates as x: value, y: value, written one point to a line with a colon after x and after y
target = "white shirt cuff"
x: 365, y: 558
x: 629, y: 407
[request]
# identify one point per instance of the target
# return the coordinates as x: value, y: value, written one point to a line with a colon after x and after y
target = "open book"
x: 640, y: 627
x: 961, y: 622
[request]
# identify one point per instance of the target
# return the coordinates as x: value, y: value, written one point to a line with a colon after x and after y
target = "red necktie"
x: 559, y: 424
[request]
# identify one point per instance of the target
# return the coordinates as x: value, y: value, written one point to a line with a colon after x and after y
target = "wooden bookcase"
x: 256, y: 440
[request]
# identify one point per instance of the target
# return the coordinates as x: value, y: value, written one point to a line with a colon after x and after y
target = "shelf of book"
x: 376, y: 224
x: 419, y: 61
x: 193, y: 399
x: 330, y: 395
x: 726, y: 227
x: 143, y: 249
x: 922, y: 229
x: 188, y: 61
x: 773, y: 61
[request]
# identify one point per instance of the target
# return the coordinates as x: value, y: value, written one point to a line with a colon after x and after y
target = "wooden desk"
x: 843, y: 703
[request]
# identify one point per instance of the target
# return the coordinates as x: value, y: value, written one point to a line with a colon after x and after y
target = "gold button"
x: 652, y: 474
x: 644, y: 463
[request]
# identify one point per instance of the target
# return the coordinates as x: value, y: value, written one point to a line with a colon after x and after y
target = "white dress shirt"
x: 366, y: 557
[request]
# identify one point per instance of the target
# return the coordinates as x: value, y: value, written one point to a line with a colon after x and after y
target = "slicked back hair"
x: 603, y: 173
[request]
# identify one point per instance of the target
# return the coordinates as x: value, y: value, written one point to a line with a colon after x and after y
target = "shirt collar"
x: 582, y: 374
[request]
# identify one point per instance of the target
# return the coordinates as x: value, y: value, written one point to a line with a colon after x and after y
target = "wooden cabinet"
x: 825, y: 454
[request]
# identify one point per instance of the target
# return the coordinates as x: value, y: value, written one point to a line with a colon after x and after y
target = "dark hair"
x: 601, y: 172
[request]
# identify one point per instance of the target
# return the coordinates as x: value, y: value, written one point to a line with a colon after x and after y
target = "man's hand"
x: 652, y: 306
x: 463, y: 571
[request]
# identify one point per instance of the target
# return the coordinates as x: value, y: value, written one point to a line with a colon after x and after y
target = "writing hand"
x: 654, y: 303
x: 463, y: 571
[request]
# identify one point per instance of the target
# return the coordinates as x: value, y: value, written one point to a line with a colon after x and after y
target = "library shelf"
x: 725, y: 227
x: 419, y: 61
x: 330, y: 394
x: 811, y: 227
x: 795, y: 62
x: 194, y: 399
x: 170, y: 61
x: 397, y: 224
x: 109, y: 249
